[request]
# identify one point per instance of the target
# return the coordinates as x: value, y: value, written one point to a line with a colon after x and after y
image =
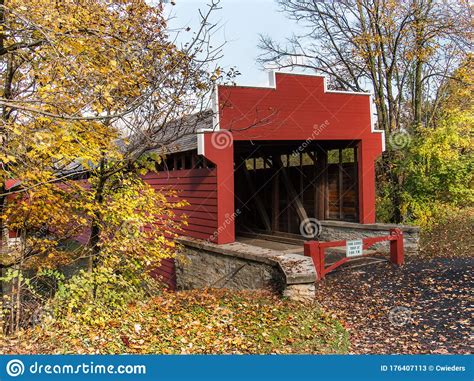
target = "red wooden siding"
x: 297, y: 109
x: 166, y: 273
x: 223, y: 158
x: 199, y: 188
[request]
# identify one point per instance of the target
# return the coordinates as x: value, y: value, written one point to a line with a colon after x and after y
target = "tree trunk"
x: 418, y: 94
x: 95, y: 223
x: 396, y: 197
x: 420, y: 41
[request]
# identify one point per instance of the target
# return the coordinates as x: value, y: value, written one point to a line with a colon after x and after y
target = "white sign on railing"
x: 354, y: 248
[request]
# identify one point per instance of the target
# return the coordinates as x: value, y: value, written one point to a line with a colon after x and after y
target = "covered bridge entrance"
x: 290, y: 152
x: 280, y: 184
x: 267, y: 159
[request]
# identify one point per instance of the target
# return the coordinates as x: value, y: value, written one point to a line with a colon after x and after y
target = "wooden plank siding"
x: 198, y: 186
x: 297, y: 187
x: 166, y: 273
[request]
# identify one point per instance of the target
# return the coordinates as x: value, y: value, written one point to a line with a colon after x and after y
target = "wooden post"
x: 316, y: 252
x: 276, y: 200
x: 340, y: 186
x: 321, y: 165
x: 315, y: 183
x: 396, y: 247
x: 356, y: 186
x: 301, y: 182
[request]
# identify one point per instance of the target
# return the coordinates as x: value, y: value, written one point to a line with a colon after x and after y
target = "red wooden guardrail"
x: 315, y: 250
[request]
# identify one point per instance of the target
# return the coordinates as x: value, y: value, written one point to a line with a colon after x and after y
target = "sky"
x: 241, y: 22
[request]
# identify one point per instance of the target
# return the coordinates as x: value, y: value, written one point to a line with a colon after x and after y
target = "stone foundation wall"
x: 244, y: 267
x: 198, y: 268
x: 338, y: 230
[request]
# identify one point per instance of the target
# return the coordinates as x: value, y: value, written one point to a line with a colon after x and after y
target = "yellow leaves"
x: 87, y: 50
x: 91, y: 60
x: 15, y: 130
x: 199, y: 322
x: 136, y: 224
x: 143, y: 171
x: 5, y: 158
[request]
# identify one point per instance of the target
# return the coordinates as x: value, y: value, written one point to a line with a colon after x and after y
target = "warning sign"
x: 354, y: 248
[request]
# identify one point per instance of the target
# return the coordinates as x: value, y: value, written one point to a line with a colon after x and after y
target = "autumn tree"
x: 439, y: 164
x: 89, y: 89
x: 405, y: 52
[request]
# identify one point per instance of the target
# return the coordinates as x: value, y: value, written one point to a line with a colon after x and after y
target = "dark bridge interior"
x: 280, y: 184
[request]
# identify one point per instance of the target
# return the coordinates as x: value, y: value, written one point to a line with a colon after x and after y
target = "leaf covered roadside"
x: 435, y: 295
x: 449, y: 238
x: 211, y: 321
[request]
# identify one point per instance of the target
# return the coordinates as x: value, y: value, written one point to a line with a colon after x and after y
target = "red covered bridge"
x: 269, y: 159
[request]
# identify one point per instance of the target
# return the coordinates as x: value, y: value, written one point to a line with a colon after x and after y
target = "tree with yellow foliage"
x: 88, y: 90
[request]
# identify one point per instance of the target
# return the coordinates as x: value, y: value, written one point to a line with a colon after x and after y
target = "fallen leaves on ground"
x: 421, y: 307
x: 451, y: 238
x: 212, y: 321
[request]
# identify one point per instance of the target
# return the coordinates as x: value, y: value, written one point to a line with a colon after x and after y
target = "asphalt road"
x: 421, y: 307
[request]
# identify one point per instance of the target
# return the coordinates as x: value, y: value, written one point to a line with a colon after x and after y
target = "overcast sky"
x: 241, y: 22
